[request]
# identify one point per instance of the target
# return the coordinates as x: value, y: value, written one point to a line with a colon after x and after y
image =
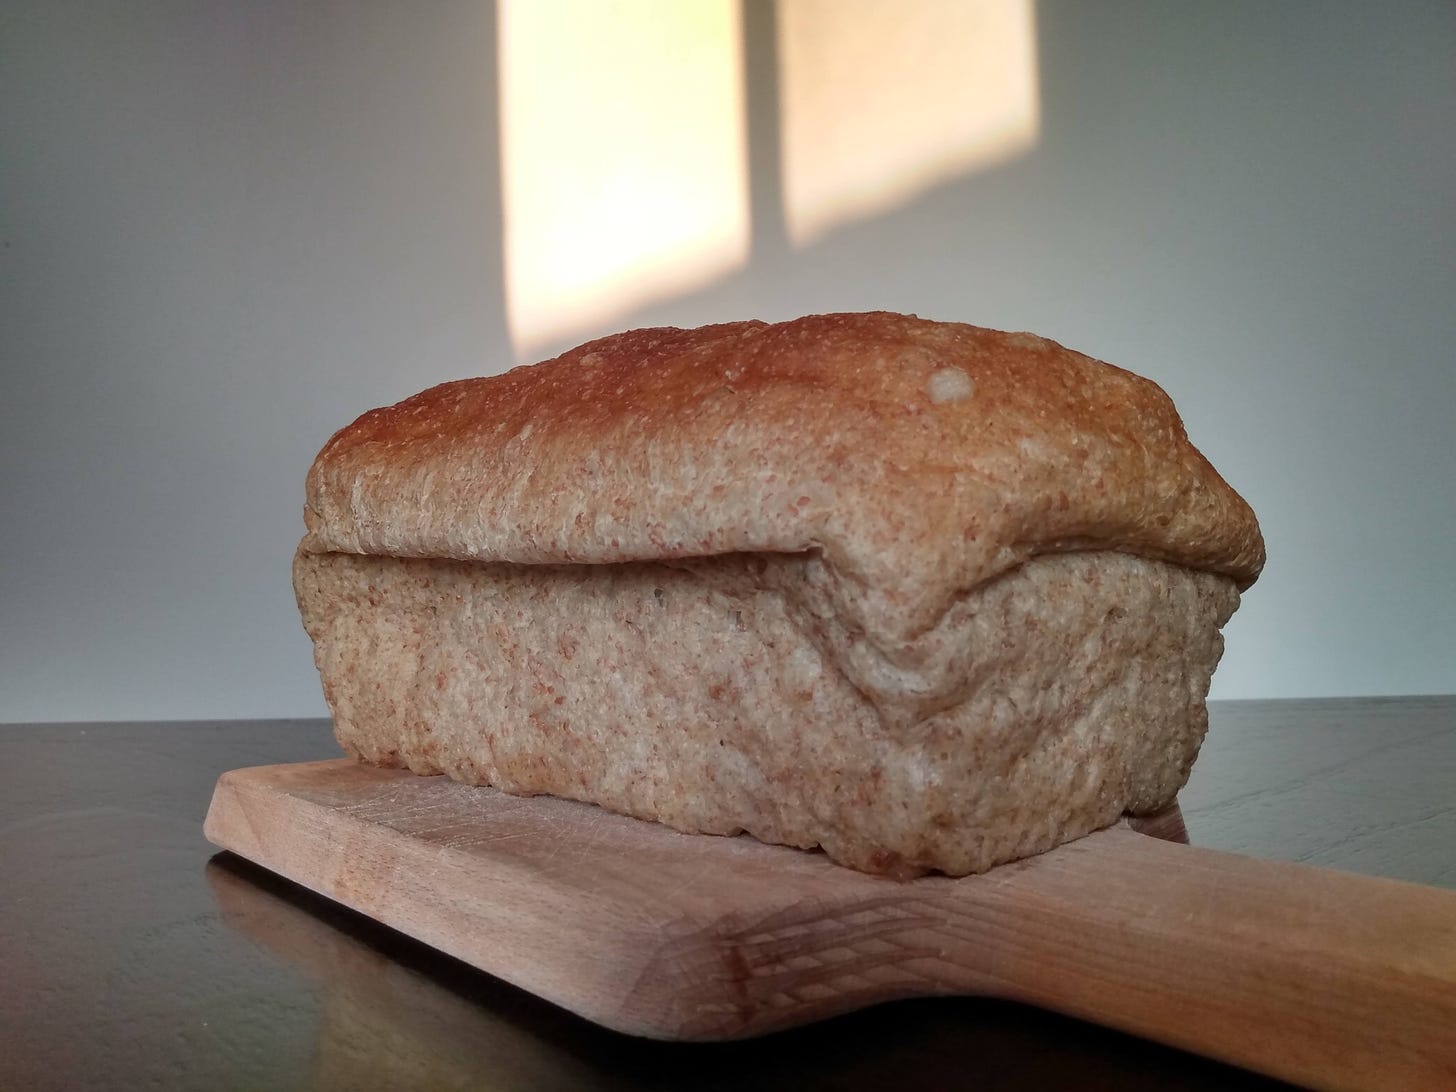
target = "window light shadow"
x: 650, y: 148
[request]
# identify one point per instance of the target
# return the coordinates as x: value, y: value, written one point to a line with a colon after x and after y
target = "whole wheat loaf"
x: 926, y: 595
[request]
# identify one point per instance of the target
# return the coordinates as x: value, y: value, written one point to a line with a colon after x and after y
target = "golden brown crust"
x: 921, y: 458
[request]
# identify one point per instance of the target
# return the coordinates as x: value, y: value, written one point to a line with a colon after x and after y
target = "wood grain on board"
x: 1315, y: 976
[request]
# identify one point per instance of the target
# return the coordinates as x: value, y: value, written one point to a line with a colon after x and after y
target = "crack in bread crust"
x: 736, y: 693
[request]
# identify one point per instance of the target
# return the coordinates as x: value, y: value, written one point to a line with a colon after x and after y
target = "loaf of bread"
x: 925, y: 595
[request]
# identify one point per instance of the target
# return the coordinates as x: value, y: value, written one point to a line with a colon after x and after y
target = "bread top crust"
x: 920, y: 458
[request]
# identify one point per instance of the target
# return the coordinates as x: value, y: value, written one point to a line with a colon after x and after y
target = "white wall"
x: 229, y: 228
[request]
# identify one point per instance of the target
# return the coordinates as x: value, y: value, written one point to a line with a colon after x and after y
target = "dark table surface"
x: 132, y: 955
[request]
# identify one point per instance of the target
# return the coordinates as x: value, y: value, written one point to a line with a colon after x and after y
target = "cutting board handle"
x: 1321, y: 977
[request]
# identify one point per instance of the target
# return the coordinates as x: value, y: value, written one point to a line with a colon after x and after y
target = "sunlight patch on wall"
x: 622, y: 157
x: 881, y: 100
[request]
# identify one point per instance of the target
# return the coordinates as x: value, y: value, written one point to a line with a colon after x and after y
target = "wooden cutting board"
x: 1319, y: 977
